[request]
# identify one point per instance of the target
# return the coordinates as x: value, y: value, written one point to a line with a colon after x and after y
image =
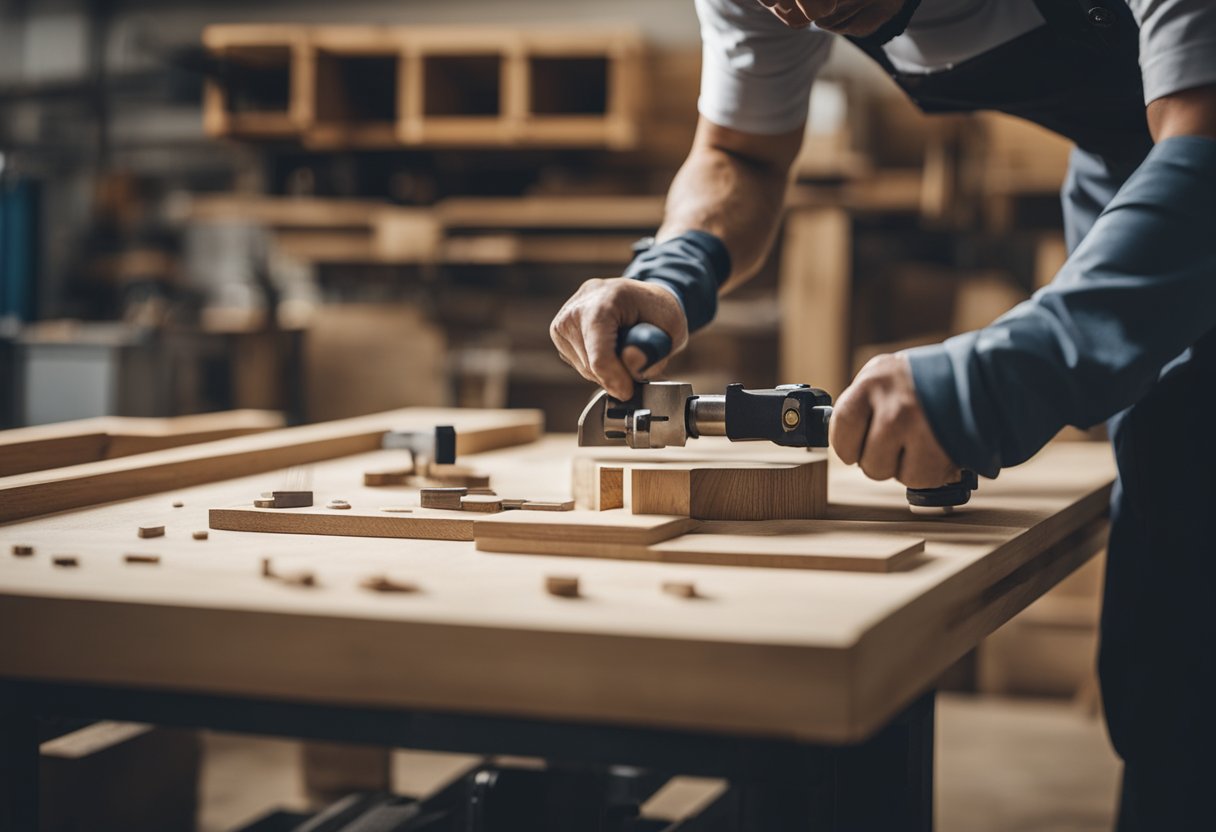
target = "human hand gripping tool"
x: 668, y: 413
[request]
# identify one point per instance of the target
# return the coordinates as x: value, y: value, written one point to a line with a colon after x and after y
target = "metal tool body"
x: 667, y: 413
x: 663, y: 413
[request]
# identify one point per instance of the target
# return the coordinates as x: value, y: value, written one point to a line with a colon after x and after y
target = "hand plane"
x: 668, y: 413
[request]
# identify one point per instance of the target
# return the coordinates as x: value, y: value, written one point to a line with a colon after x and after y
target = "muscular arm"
x: 733, y: 185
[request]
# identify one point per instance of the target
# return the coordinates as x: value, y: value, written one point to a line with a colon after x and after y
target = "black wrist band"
x: 693, y: 265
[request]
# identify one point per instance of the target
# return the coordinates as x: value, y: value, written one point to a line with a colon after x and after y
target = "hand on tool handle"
x: 672, y: 285
x: 879, y: 423
x: 587, y: 331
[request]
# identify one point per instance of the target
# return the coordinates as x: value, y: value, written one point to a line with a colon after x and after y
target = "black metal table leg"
x: 887, y: 782
x: 18, y: 761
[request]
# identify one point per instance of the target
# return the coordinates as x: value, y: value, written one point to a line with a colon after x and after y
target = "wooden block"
x: 268, y: 502
x: 267, y: 568
x: 65, y: 560
x: 375, y: 479
x: 201, y: 534
x: 483, y: 492
x: 582, y: 533
x: 383, y: 583
x: 512, y: 503
x: 680, y: 589
x: 732, y: 491
x: 442, y: 498
x: 119, y: 775
x: 548, y: 505
x: 292, y: 499
x: 334, y: 770
x: 338, y: 505
x: 149, y: 559
x: 22, y: 551
x: 790, y: 544
x: 178, y: 504
x: 151, y: 531
x: 457, y: 475
x: 611, y: 488
x: 563, y: 586
x: 484, y: 504
x: 421, y: 524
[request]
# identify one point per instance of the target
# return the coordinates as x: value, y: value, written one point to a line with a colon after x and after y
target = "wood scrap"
x: 442, y: 498
x: 481, y: 503
x: 151, y: 531
x: 65, y: 560
x: 147, y: 559
x: 548, y: 505
x: 680, y: 589
x: 383, y: 583
x: 338, y: 505
x: 22, y: 550
x: 456, y: 475
x: 562, y: 586
x: 178, y: 504
x: 614, y: 533
x: 201, y: 534
x: 291, y: 499
x: 398, y: 476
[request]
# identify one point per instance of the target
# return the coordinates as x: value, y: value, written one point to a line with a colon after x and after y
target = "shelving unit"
x: 333, y: 87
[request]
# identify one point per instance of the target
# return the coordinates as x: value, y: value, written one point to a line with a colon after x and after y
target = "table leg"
x: 18, y: 761
x: 887, y: 782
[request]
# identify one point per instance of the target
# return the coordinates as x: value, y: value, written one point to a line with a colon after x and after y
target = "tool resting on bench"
x: 668, y: 413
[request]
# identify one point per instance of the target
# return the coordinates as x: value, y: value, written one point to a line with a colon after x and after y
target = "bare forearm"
x: 733, y: 191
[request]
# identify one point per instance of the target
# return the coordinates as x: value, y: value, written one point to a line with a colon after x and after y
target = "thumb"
x: 634, y: 360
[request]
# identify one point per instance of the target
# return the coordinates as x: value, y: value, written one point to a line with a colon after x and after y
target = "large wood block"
x: 732, y: 490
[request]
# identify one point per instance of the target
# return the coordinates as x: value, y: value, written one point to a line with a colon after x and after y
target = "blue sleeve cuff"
x: 937, y: 388
x: 693, y: 266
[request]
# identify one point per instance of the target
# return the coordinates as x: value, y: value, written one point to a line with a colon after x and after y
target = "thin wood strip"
x: 29, y: 495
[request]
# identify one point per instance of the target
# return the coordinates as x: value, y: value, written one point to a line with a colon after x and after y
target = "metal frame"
x: 884, y: 783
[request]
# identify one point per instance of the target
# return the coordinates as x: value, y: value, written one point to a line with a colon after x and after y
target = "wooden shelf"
x: 334, y: 87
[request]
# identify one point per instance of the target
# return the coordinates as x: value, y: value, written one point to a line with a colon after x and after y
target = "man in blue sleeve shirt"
x: 1125, y: 333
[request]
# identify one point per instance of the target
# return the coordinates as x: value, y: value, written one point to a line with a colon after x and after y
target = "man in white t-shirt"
x: 1125, y: 333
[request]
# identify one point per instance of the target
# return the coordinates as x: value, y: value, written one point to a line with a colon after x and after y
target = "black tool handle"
x: 654, y: 343
x: 946, y: 496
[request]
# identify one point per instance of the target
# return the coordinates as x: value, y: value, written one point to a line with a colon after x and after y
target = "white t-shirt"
x: 756, y: 73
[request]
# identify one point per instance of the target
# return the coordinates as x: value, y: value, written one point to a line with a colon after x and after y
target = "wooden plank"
x: 609, y: 534
x: 88, y: 440
x: 420, y: 523
x: 28, y: 495
x: 814, y: 287
x: 791, y: 544
x: 732, y: 490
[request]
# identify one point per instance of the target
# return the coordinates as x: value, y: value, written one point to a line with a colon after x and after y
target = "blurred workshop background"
x: 328, y: 209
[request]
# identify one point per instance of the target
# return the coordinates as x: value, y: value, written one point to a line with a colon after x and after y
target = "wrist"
x: 692, y: 266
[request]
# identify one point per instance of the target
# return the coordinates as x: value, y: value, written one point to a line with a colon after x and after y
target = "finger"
x: 634, y: 360
x: 787, y: 12
x: 570, y: 355
x: 918, y: 469
x: 605, y: 366
x: 656, y: 370
x: 883, y: 447
x: 850, y: 422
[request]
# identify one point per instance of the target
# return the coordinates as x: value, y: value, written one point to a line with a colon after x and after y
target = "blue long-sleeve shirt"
x: 1137, y: 292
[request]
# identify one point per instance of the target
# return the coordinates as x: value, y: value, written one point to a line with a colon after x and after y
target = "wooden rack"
x: 336, y: 87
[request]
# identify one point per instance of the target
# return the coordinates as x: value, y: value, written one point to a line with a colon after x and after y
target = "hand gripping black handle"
x: 654, y: 343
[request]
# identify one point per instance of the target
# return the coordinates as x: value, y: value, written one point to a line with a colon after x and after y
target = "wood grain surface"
x: 814, y: 655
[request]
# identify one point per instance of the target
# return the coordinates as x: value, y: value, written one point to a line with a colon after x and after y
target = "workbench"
x: 810, y: 690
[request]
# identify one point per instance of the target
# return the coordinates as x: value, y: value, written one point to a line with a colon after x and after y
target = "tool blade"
x: 591, y: 423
